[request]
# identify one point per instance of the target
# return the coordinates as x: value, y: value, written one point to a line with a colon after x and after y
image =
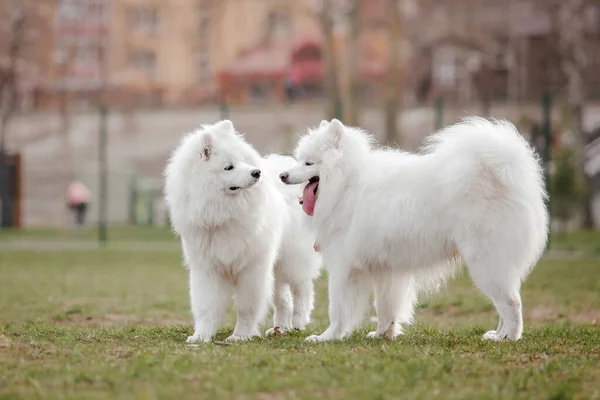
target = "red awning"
x: 283, y: 60
x: 261, y: 62
x: 306, y: 72
x: 272, y: 61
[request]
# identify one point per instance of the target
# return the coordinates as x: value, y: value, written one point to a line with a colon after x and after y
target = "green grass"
x: 112, y: 324
x: 124, y: 233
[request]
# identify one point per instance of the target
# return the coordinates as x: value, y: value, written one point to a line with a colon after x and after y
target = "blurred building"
x: 498, y: 49
x: 186, y: 52
x: 82, y: 29
x: 170, y: 52
x: 34, y: 46
x: 287, y: 58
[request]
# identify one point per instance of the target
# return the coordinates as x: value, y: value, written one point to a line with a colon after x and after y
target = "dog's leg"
x: 210, y: 296
x: 504, y: 292
x: 348, y: 301
x: 395, y: 298
x: 304, y: 297
x: 252, y: 296
x: 282, y: 317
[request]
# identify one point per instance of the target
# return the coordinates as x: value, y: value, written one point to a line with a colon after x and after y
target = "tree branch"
x: 8, y: 90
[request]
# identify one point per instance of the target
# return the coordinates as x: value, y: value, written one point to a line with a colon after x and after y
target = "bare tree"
x: 23, y: 46
x: 8, y: 102
x: 332, y: 81
x: 567, y: 34
x: 8, y: 86
x: 568, y: 37
x: 353, y: 23
x: 393, y: 94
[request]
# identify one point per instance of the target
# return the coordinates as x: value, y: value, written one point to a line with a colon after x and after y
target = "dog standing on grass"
x: 398, y: 222
x: 242, y: 233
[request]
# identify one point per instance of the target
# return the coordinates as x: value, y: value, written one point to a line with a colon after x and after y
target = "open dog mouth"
x: 310, y: 195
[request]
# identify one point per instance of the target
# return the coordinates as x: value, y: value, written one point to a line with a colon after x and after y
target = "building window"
x: 96, y: 11
x: 204, y: 70
x: 204, y: 17
x: 279, y: 24
x: 145, y: 19
x: 144, y: 61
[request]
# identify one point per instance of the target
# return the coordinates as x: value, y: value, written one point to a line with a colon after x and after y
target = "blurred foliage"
x: 568, y: 188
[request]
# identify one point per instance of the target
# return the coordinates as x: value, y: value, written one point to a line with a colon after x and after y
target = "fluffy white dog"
x: 237, y: 222
x: 399, y: 221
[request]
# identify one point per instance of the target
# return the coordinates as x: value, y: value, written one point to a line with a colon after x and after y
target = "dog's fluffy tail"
x: 484, y: 161
x: 464, y: 149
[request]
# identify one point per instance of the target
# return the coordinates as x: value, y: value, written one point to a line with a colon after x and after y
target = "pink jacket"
x: 77, y: 194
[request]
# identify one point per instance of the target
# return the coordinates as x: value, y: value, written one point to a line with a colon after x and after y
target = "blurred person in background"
x: 78, y: 197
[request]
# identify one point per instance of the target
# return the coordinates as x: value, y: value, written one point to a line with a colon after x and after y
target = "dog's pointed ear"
x: 208, y: 144
x: 225, y: 126
x: 336, y: 130
x: 323, y: 124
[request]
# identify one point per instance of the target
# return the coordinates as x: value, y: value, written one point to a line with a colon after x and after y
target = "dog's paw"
x: 197, y: 339
x: 393, y: 330
x: 299, y: 322
x: 299, y: 328
x: 390, y: 334
x: 318, y: 339
x: 374, y: 335
x: 238, y: 338
x: 312, y: 339
x: 277, y: 331
x: 494, y: 336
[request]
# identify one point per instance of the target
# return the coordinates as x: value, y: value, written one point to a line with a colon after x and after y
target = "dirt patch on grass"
x: 553, y: 314
x: 116, y: 320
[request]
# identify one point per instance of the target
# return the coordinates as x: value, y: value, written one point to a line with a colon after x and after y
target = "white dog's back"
x: 474, y: 193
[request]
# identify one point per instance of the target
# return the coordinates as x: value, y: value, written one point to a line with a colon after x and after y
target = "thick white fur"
x: 401, y: 221
x: 235, y: 229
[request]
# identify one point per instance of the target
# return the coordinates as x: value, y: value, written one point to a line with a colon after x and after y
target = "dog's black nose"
x: 255, y: 173
x: 284, y: 176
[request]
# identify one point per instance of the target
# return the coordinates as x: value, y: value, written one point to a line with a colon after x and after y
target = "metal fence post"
x: 102, y: 144
x: 546, y: 152
x: 439, y: 113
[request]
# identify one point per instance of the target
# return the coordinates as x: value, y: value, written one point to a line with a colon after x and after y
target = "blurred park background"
x: 100, y: 91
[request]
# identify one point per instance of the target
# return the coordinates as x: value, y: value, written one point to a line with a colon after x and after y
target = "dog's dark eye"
x: 229, y: 168
x: 308, y: 163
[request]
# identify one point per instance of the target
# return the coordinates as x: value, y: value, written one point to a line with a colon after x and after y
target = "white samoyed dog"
x: 402, y: 221
x: 242, y: 232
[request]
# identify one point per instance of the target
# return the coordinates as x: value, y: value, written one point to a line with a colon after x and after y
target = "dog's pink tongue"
x: 309, y: 198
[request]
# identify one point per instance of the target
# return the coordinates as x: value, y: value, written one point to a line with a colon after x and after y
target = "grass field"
x: 111, y: 323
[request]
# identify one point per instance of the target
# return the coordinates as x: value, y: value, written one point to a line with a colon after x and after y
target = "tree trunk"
x: 8, y: 103
x: 353, y: 92
x: 486, y: 104
x: 4, y: 190
x: 578, y: 130
x: 574, y: 69
x: 332, y: 88
x: 393, y: 90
